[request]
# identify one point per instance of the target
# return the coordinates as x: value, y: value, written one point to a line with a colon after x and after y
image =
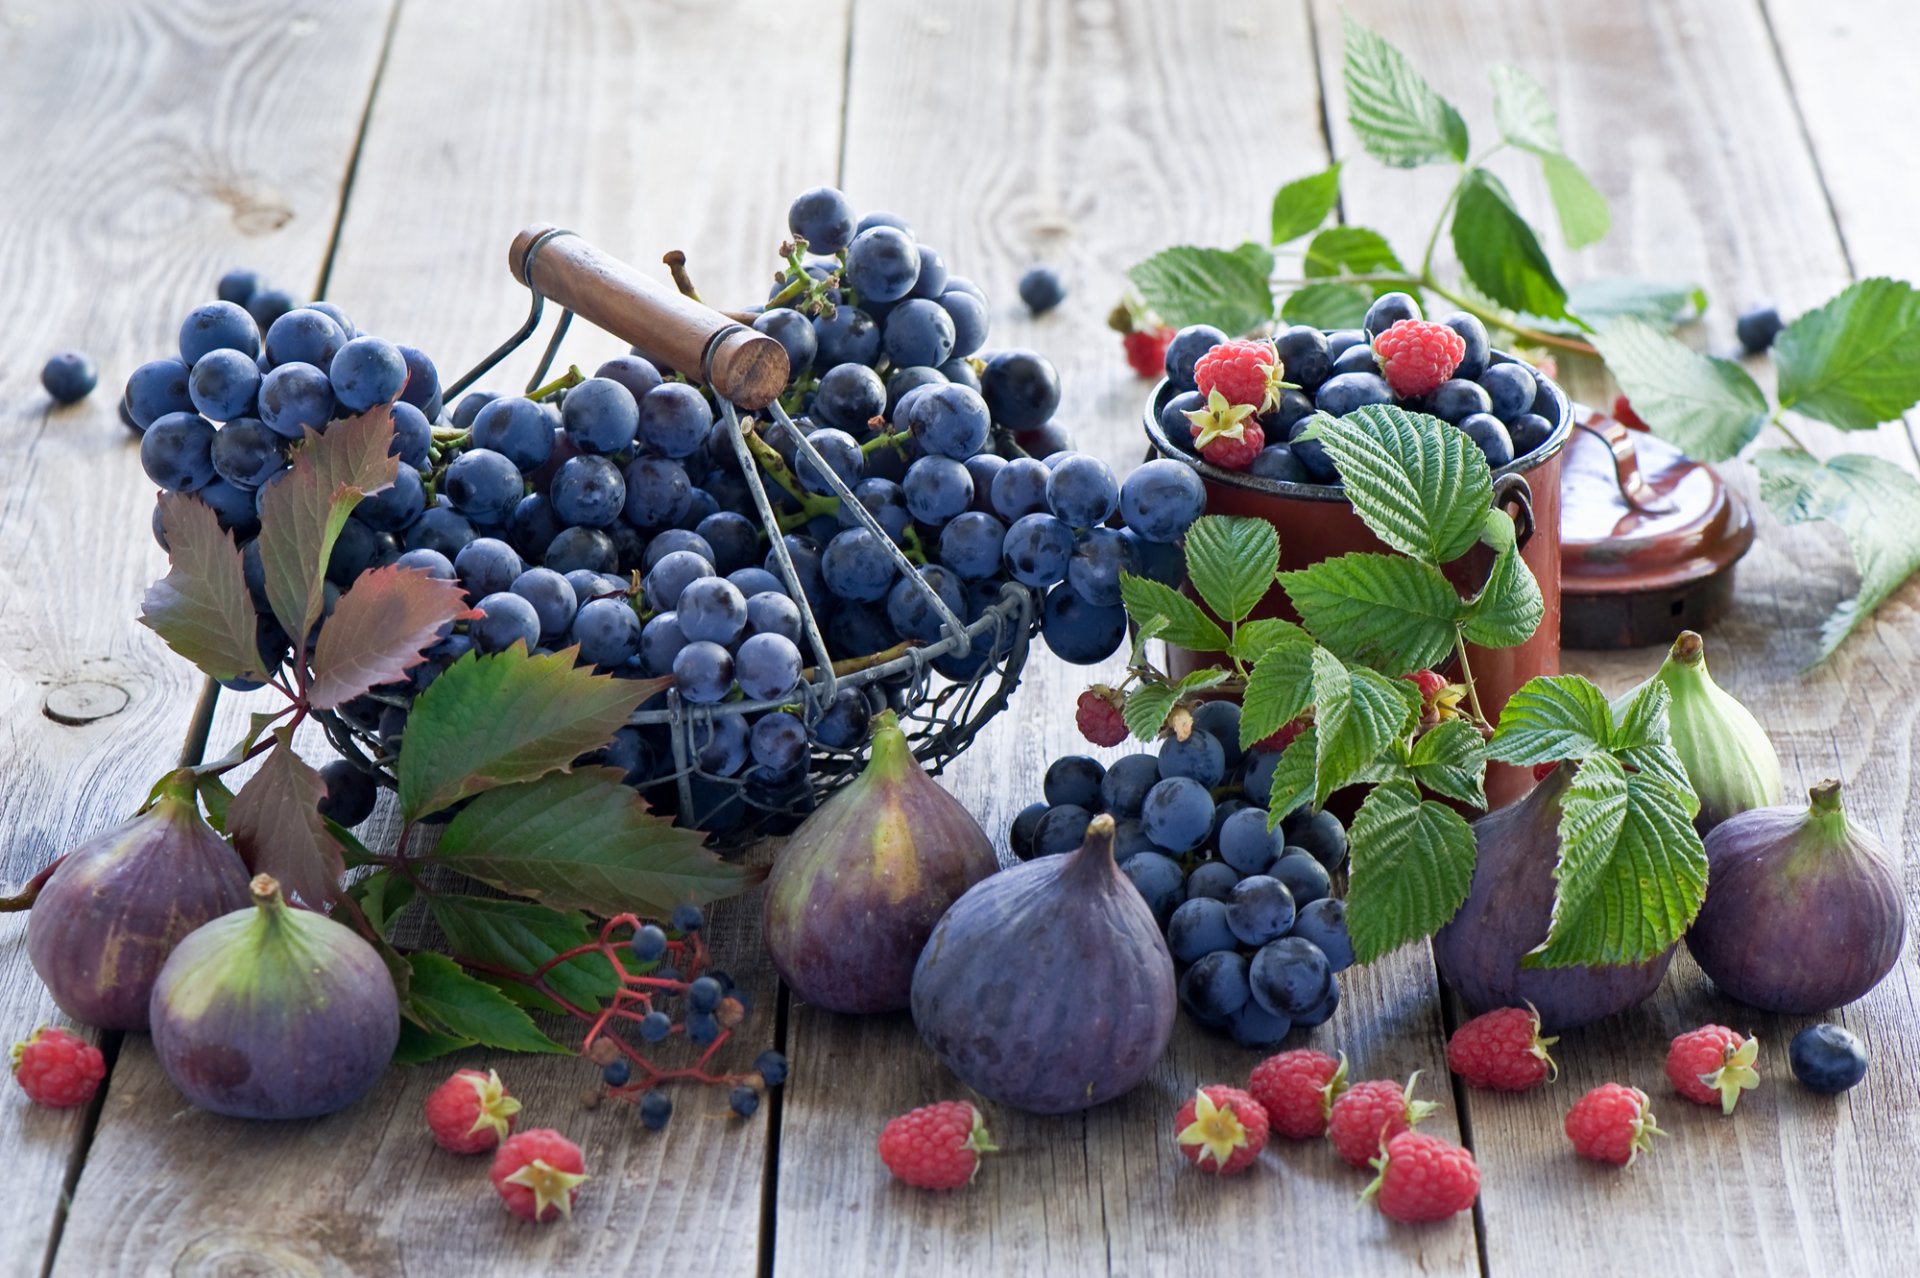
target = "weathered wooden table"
x: 382, y: 153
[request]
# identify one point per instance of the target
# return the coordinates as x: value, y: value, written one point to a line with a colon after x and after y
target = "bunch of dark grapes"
x: 611, y: 513
x: 1252, y: 917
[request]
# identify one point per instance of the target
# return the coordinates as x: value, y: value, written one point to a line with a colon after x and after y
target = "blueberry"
x: 1342, y: 340
x: 1512, y: 389
x: 1260, y: 909
x: 772, y: 1068
x: 649, y: 943
x: 1355, y: 359
x: 1075, y: 778
x: 1324, y: 922
x: 1159, y: 880
x: 1344, y: 392
x: 1458, y: 398
x: 1387, y: 310
x: 1320, y: 834
x: 1215, y: 987
x: 1474, y: 334
x: 1757, y: 328
x: 71, y: 376
x: 1213, y: 880
x: 1174, y: 422
x: 1062, y: 829
x: 1188, y: 345
x: 1278, y: 463
x: 655, y: 1108
x: 1304, y: 358
x: 1827, y: 1059
x: 1528, y: 431
x: 1305, y: 877
x: 1178, y: 814
x: 1289, y: 976
x: 1041, y: 290
x: 1293, y: 406
x: 1312, y: 454
x: 1246, y: 844
x: 1486, y: 430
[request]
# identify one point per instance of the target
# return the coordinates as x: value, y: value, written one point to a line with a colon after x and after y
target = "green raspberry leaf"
x: 1643, y: 741
x: 1254, y: 639
x: 1146, y: 709
x: 1509, y: 608
x: 1877, y: 508
x: 1412, y: 866
x: 1221, y: 287
x: 1358, y: 714
x: 1521, y: 110
x: 1387, y: 611
x: 1499, y: 251
x: 1854, y: 362
x: 1450, y: 759
x: 1187, y: 626
x: 1327, y: 306
x: 1304, y: 203
x: 1231, y: 561
x: 1583, y: 213
x: 1278, y: 691
x: 1632, y: 872
x: 1291, y: 786
x: 1395, y: 113
x: 1708, y: 406
x: 1551, y: 718
x: 1349, y: 250
x: 1420, y: 485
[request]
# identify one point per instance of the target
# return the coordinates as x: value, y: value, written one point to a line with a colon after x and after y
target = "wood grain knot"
x: 83, y: 702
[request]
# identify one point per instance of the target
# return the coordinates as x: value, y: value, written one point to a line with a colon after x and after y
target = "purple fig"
x: 1727, y: 755
x: 1804, y: 909
x: 272, y: 1012
x: 113, y: 911
x: 1049, y: 987
x: 1508, y: 909
x: 856, y: 891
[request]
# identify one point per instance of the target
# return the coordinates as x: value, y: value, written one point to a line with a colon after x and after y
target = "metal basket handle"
x: 742, y: 365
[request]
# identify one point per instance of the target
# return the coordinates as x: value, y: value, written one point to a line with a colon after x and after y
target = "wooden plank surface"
x: 1078, y: 151
x: 147, y: 147
x: 1685, y: 122
x: 605, y: 128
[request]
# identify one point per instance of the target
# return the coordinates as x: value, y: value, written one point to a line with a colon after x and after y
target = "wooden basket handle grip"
x: 741, y: 365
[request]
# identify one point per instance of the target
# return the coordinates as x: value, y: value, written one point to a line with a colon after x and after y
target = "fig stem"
x: 1689, y: 650
x: 26, y: 896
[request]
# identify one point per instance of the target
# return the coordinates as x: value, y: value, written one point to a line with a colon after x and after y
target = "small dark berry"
x: 1827, y: 1059
x: 1041, y: 290
x: 649, y: 943
x: 772, y: 1067
x: 1757, y: 327
x: 704, y: 994
x: 744, y: 1101
x: 617, y: 1073
x: 687, y: 918
x: 655, y: 1110
x: 655, y: 1026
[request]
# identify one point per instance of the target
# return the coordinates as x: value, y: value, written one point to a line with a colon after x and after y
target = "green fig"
x: 1728, y: 758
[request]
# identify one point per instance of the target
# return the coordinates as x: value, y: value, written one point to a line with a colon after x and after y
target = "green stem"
x: 566, y: 381
x: 1779, y: 424
x: 1505, y: 320
x: 775, y: 467
x: 1466, y: 678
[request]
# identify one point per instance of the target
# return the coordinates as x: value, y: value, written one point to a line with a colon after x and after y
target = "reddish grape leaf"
x: 301, y: 515
x: 201, y: 607
x: 495, y: 720
x: 583, y: 840
x: 378, y: 629
x: 275, y: 823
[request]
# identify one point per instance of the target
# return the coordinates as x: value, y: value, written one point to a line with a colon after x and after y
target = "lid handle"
x: 1634, y: 489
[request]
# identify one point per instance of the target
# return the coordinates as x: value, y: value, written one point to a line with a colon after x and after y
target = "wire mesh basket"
x: 942, y: 692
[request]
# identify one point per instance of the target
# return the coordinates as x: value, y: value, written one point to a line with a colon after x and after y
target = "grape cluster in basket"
x: 1250, y: 915
x: 614, y: 514
x: 1244, y: 405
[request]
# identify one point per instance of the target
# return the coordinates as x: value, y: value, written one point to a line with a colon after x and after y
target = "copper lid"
x: 1648, y: 538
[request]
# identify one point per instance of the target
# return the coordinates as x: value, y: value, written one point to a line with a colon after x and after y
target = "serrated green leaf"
x: 1419, y: 484
x: 1187, y: 285
x: 1450, y: 759
x: 1357, y: 713
x: 1279, y: 690
x: 217, y: 799
x: 1258, y: 256
x: 1708, y: 406
x: 1254, y: 639
x: 1146, y: 709
x: 1388, y: 611
x: 1499, y: 251
x: 1187, y: 626
x: 1551, y: 718
x: 581, y: 840
x: 1327, y: 306
x: 1582, y: 210
x: 523, y: 937
x: 1395, y: 113
x: 1663, y: 302
x: 1631, y: 874
x: 1855, y: 361
x: 1412, y: 866
x: 447, y: 1001
x: 506, y: 717
x: 1143, y: 632
x: 1522, y: 112
x: 1877, y: 508
x: 1304, y: 203
x: 382, y: 896
x: 417, y: 1045
x: 1201, y: 680
x: 1349, y: 250
x: 1231, y: 562
x: 1291, y: 786
x: 1643, y: 741
x: 201, y: 608
x: 1509, y: 608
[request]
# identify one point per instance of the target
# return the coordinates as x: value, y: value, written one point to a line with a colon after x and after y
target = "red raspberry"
x: 538, y: 1174
x: 1430, y: 683
x: 1624, y: 414
x: 1225, y: 433
x: 471, y: 1112
x: 1417, y: 355
x: 1297, y: 1089
x: 1246, y: 372
x: 1502, y: 1051
x: 1284, y: 735
x: 1612, y: 1124
x: 1236, y: 454
x: 1423, y: 1177
x: 936, y: 1146
x: 1368, y: 1115
x: 1147, y: 352
x: 1713, y: 1065
x: 1221, y: 1130
x: 57, y: 1069
x: 1097, y: 715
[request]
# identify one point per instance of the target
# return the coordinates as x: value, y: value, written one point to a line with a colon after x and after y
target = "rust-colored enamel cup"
x: 1316, y: 522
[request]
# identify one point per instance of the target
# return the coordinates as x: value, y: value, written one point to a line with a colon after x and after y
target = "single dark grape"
x: 515, y: 427
x: 1324, y: 922
x: 1021, y: 387
x: 1020, y: 488
x: 296, y: 398
x: 508, y: 620
x: 1215, y: 987
x: 703, y: 671
x: 588, y: 490
x: 1062, y: 829
x: 177, y: 452
x: 822, y: 217
x: 1159, y: 880
x: 488, y: 566
x: 367, y: 371
x: 1259, y: 909
x: 882, y: 264
x: 1080, y: 632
